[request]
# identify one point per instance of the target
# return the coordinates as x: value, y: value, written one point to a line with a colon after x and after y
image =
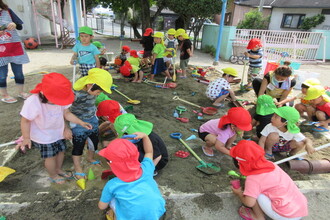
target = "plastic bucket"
x: 271, y: 66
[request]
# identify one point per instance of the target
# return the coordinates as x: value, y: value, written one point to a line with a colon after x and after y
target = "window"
x: 325, y: 11
x: 292, y: 20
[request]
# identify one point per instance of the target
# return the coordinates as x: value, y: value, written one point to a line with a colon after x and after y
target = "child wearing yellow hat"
x: 220, y: 88
x: 86, y: 89
x: 157, y: 62
x: 185, y: 53
x: 85, y: 52
x: 318, y: 98
x: 171, y: 44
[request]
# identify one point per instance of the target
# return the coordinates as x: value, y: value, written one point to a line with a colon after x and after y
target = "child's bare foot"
x: 57, y: 179
x: 139, y: 81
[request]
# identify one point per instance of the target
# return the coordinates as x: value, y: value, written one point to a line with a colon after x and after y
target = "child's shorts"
x: 52, y: 149
x: 84, y: 68
x: 202, y: 135
x: 80, y: 135
x: 130, y: 76
x: 159, y: 66
x: 281, y: 147
x: 166, y: 59
x: 147, y: 53
x: 184, y: 63
x: 223, y: 92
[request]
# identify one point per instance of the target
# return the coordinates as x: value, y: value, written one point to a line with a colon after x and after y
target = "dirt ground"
x: 180, y: 175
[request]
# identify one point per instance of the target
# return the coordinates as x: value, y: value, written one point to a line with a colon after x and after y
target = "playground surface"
x: 190, y: 194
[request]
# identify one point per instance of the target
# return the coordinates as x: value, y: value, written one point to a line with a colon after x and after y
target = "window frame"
x: 284, y: 18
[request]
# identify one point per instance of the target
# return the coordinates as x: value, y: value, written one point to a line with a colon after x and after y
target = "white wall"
x: 24, y: 10
x: 277, y: 16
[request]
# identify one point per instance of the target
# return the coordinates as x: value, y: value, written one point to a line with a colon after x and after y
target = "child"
x: 100, y: 47
x: 120, y: 60
x: 128, y: 124
x: 86, y: 53
x: 148, y: 44
x: 135, y: 61
x: 133, y: 193
x: 42, y: 122
x: 158, y: 64
x: 222, y: 132
x: 283, y: 135
x: 220, y: 88
x: 264, y: 113
x: 317, y: 97
x: 268, y: 189
x: 185, y: 54
x: 254, y: 54
x: 171, y: 45
x: 86, y: 90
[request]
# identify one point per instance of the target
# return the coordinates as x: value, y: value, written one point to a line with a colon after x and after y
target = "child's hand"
x: 246, y: 54
x: 140, y: 135
x: 67, y: 133
x: 86, y: 125
x: 25, y: 143
x: 237, y: 191
x: 310, y: 149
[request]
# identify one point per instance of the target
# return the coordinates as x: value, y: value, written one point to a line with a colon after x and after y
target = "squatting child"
x: 120, y: 60
x: 220, y: 88
x: 254, y: 54
x: 222, y: 132
x: 133, y: 193
x: 135, y: 61
x: 42, y: 122
x: 85, y: 52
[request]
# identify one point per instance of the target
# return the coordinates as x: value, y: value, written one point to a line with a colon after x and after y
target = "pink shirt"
x: 285, y: 196
x: 212, y: 128
x: 47, y: 120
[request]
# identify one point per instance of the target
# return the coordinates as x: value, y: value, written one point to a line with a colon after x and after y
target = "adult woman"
x: 11, y: 51
x: 277, y: 84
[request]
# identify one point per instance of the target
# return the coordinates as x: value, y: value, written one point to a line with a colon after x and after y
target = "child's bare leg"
x: 135, y: 77
x: 210, y: 140
x: 219, y: 100
x: 296, y: 147
x: 59, y: 162
x: 321, y: 116
x: 168, y: 74
x: 90, y: 156
x: 140, y: 76
x: 271, y: 140
x: 77, y: 166
x: 310, y: 112
x: 152, y: 76
x: 50, y: 164
x: 184, y: 72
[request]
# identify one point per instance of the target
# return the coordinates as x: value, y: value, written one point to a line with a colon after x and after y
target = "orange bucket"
x: 271, y: 66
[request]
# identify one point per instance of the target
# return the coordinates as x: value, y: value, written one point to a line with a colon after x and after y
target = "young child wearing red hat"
x: 120, y: 60
x: 254, y: 54
x: 42, y: 122
x: 133, y: 193
x: 268, y: 189
x: 147, y: 42
x: 222, y: 132
x: 135, y: 61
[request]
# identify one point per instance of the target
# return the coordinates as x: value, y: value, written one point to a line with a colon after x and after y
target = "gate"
x: 299, y: 46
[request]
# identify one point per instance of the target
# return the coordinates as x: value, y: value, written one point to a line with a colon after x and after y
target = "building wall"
x: 277, y: 16
x: 239, y: 11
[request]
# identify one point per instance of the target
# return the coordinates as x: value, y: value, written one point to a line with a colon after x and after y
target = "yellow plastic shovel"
x: 131, y: 101
x: 4, y: 172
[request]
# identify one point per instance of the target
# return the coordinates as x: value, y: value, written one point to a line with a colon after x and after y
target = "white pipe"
x: 85, y: 14
x: 324, y: 46
x: 54, y: 22
x: 59, y: 12
x: 36, y: 21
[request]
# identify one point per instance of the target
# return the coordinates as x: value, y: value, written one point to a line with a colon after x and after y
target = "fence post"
x: 294, y: 47
x: 324, y: 46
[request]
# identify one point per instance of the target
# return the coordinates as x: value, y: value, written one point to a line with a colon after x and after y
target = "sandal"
x: 83, y: 175
x: 24, y: 95
x: 96, y: 162
x: 66, y: 175
x: 9, y: 100
x: 58, y: 181
x: 269, y: 156
x: 247, y: 215
x: 320, y: 129
x: 207, y: 154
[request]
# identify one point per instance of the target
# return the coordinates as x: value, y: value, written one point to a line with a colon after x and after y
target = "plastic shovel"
x: 207, y: 168
x: 206, y: 110
x: 131, y: 101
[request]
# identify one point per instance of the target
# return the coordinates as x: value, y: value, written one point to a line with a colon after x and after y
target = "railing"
x: 301, y: 46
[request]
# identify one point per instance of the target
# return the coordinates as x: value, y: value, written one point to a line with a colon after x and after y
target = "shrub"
x: 254, y: 20
x: 209, y: 49
x: 311, y: 22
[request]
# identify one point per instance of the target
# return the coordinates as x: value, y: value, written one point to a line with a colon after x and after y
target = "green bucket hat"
x: 85, y: 30
x: 265, y: 105
x: 291, y: 115
x: 127, y: 123
x: 98, y: 44
x: 100, y: 98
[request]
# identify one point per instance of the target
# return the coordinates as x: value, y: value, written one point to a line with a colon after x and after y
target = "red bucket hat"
x: 124, y: 159
x: 237, y: 116
x: 126, y: 48
x: 250, y: 157
x: 56, y: 88
x: 253, y: 43
x: 110, y: 109
x: 125, y: 69
x: 148, y: 32
x: 133, y: 53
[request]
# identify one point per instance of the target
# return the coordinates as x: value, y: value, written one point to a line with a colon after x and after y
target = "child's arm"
x: 246, y: 200
x: 309, y: 145
x: 25, y: 128
x: 221, y: 147
x: 73, y: 58
x: 285, y: 101
x: 254, y: 122
x: 252, y: 56
x: 232, y: 95
x: 285, y: 94
x: 74, y: 119
x: 154, y: 55
x: 262, y: 141
x: 147, y: 145
x: 263, y: 87
x: 190, y: 52
x: 97, y: 61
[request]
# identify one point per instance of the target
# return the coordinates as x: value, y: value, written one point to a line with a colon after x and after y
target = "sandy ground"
x: 44, y: 201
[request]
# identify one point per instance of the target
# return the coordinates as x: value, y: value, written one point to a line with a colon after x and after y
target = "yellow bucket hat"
x: 96, y: 76
x: 179, y: 32
x: 171, y: 31
x: 185, y: 36
x: 312, y: 82
x: 314, y: 92
x: 158, y: 35
x: 230, y: 71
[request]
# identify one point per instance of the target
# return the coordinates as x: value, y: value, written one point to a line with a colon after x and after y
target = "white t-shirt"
x: 214, y: 88
x: 287, y: 136
x: 47, y: 120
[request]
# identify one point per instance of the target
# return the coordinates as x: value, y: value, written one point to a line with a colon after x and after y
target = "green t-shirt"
x: 159, y: 49
x: 135, y: 62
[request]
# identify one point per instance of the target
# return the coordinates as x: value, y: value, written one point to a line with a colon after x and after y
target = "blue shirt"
x: 86, y: 54
x: 137, y: 200
x: 257, y: 63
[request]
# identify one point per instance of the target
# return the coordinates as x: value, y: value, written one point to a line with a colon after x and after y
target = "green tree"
x: 311, y: 22
x: 254, y: 20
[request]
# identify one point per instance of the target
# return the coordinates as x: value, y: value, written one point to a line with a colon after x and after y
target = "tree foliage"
x: 254, y: 20
x: 311, y: 22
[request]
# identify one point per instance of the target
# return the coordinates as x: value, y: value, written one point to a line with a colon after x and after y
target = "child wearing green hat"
x: 128, y: 124
x: 283, y: 134
x: 220, y: 88
x: 264, y: 113
x: 85, y: 52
